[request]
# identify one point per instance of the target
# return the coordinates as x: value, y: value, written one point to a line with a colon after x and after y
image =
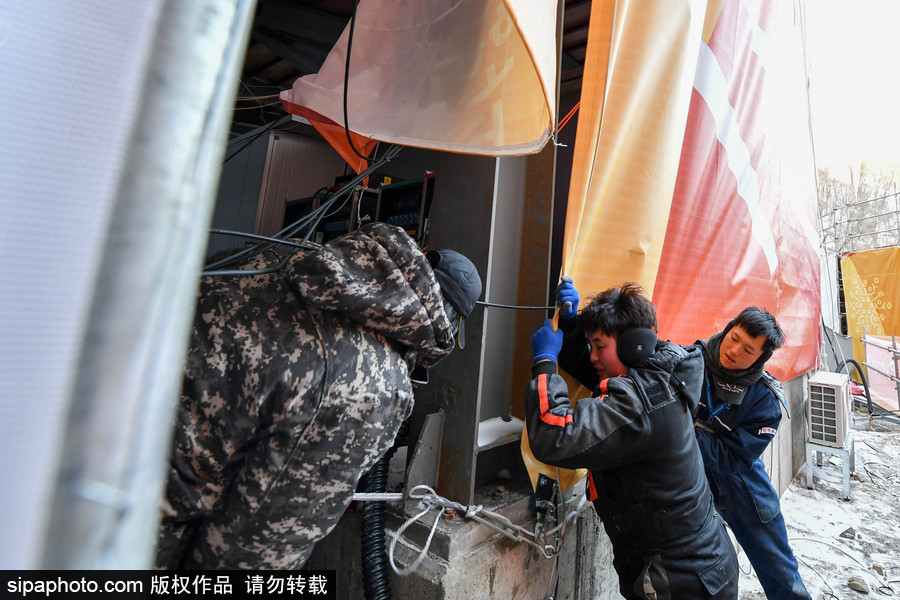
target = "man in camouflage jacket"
x: 296, y: 383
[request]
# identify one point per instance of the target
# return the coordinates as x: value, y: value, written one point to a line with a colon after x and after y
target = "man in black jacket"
x: 635, y: 435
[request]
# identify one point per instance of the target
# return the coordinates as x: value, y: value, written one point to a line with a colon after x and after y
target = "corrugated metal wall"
x: 296, y: 167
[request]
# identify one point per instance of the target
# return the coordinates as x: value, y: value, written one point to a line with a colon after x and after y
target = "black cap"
x: 458, y: 278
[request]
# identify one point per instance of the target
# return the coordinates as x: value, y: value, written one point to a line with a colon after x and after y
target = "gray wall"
x: 787, y: 453
x: 238, y: 194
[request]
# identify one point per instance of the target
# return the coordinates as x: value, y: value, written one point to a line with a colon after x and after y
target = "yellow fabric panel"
x: 565, y: 477
x: 638, y: 77
x: 871, y: 283
x: 639, y: 72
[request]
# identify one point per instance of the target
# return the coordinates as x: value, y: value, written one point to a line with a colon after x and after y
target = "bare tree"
x: 859, y: 212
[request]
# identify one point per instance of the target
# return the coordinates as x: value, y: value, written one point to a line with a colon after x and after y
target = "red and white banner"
x: 743, y: 226
x: 740, y: 216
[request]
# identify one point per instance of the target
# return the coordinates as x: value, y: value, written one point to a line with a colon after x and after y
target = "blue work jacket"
x: 732, y: 438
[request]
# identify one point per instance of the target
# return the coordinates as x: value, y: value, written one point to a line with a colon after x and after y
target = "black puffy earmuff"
x: 635, y: 345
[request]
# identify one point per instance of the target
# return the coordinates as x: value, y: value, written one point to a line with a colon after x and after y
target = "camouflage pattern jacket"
x: 295, y: 384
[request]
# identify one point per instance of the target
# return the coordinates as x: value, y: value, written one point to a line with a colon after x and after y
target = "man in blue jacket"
x: 738, y: 416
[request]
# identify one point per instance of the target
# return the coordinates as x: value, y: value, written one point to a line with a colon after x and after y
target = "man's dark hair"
x: 617, y: 309
x: 756, y: 322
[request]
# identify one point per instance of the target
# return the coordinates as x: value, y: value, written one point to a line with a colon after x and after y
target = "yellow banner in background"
x: 871, y: 286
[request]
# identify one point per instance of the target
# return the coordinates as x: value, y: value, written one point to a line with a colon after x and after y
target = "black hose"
x: 865, y: 381
x: 374, y: 552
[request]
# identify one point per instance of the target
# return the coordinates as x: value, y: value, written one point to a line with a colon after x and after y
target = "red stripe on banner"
x: 725, y: 214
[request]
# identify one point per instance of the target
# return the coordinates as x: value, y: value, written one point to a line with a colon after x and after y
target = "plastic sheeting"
x: 472, y: 76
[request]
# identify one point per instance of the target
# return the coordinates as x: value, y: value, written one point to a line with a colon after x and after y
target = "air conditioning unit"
x: 828, y: 410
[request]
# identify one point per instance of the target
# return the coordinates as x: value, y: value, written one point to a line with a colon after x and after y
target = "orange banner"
x: 634, y: 105
x: 336, y: 135
x: 737, y: 225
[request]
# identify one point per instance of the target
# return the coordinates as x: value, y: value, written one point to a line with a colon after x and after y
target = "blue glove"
x: 566, y: 292
x: 546, y: 343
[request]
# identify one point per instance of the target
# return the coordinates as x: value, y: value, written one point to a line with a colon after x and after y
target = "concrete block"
x: 466, y: 560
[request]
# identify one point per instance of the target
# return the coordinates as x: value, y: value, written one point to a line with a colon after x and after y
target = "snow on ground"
x: 836, y: 540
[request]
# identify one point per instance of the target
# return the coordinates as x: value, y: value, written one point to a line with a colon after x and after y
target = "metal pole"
x: 896, y: 376
x: 105, y: 508
x: 865, y: 348
x: 897, y: 215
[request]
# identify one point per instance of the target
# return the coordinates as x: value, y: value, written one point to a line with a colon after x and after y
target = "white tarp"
x: 471, y: 76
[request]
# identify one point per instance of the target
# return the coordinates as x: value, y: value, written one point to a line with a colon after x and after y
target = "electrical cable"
x: 836, y: 349
x: 350, y: 186
x: 336, y: 210
x: 262, y: 115
x: 247, y: 98
x: 748, y: 571
x: 830, y: 545
x: 251, y: 140
x: 347, y: 80
x: 308, y: 222
x: 570, y: 114
x: 246, y: 272
x: 260, y: 237
x: 234, y: 141
x: 513, y: 306
x: 830, y: 592
x: 865, y: 381
x: 257, y: 106
x: 372, y: 547
x: 214, y: 268
x: 258, y: 132
x: 873, y: 475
